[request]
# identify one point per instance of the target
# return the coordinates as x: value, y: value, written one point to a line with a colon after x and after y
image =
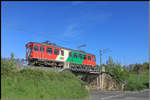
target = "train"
x: 52, y: 55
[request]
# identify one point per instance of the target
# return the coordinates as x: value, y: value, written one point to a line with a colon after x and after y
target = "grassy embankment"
x: 37, y: 83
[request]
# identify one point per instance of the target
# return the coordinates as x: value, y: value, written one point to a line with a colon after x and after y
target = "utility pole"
x: 101, y: 53
x: 101, y: 77
x: 100, y: 57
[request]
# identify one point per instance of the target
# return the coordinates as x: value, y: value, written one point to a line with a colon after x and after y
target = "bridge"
x: 88, y: 76
x: 96, y: 79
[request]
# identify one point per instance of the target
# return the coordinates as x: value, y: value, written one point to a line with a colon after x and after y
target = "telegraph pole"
x: 101, y: 53
x: 100, y: 57
x: 101, y: 78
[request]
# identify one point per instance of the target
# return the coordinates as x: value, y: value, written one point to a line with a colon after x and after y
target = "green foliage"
x: 8, y: 65
x: 117, y: 73
x: 30, y: 83
x: 133, y: 85
x: 137, y: 68
x: 145, y: 67
x: 98, y: 67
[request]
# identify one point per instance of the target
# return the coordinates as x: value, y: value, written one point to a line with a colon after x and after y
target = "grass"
x: 36, y: 83
x: 133, y: 85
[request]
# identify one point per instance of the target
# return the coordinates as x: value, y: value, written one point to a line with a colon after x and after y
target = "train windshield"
x: 29, y: 49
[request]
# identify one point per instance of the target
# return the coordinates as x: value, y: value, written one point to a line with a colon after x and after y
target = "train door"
x: 89, y: 59
x: 36, y: 51
x: 61, y: 56
x: 42, y: 52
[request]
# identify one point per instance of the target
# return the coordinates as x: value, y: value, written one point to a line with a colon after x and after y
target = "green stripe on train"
x: 75, y: 60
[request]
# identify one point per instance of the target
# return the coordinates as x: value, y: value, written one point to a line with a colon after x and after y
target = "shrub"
x: 117, y: 73
x: 8, y: 65
x: 133, y: 86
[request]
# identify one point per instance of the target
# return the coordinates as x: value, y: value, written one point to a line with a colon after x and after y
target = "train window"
x: 42, y: 49
x: 49, y: 50
x: 85, y: 57
x: 36, y: 48
x: 75, y: 55
x: 56, y: 51
x: 31, y: 47
x: 70, y: 54
x: 89, y: 58
x: 62, y: 52
x: 94, y: 59
x: 80, y: 56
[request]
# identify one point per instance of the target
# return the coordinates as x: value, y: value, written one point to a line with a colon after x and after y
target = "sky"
x: 120, y: 27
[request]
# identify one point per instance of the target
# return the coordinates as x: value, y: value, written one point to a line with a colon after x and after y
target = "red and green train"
x: 49, y: 54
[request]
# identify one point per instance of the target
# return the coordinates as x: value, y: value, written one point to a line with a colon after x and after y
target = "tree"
x: 131, y: 66
x: 12, y: 61
x: 118, y: 74
x: 137, y: 68
x: 8, y: 65
x: 110, y: 61
x: 145, y: 66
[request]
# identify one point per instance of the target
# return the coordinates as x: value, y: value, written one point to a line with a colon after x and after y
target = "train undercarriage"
x: 58, y: 64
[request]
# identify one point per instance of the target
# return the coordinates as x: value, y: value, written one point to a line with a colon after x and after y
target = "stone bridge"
x: 98, y: 80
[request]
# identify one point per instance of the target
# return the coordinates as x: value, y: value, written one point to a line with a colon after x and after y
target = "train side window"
x: 42, y: 49
x: 62, y: 52
x: 70, y: 54
x: 56, y: 51
x: 93, y: 58
x: 49, y: 50
x: 80, y: 56
x: 36, y: 48
x: 84, y: 57
x: 75, y: 55
x: 89, y: 58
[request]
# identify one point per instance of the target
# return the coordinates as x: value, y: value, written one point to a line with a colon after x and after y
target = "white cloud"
x: 72, y: 31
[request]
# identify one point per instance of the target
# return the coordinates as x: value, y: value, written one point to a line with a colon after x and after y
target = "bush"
x: 117, y: 73
x: 8, y: 65
x: 133, y: 86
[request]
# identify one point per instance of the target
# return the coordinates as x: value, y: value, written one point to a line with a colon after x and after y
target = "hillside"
x: 36, y: 83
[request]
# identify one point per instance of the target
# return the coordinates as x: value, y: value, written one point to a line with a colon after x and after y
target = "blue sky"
x: 120, y: 26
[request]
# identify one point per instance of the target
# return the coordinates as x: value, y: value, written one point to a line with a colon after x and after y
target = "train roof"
x: 54, y: 45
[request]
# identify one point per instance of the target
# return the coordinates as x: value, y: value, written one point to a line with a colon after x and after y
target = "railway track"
x: 59, y: 69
